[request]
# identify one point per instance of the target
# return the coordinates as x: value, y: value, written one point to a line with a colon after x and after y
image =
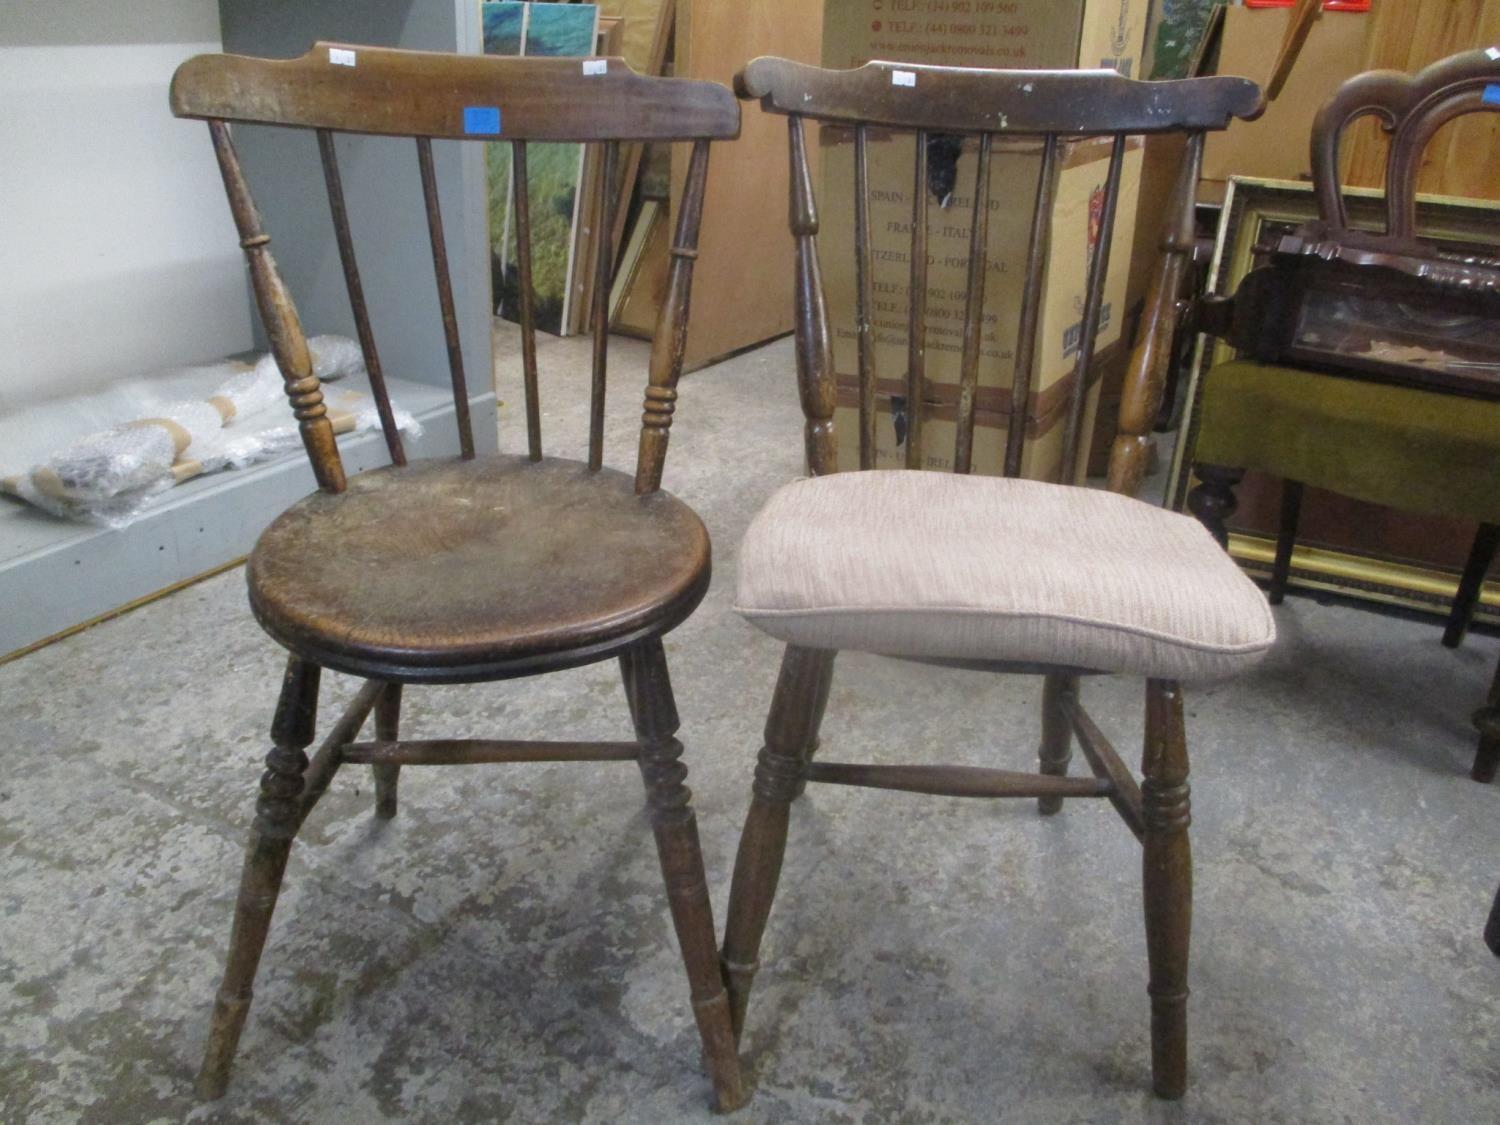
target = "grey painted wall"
x: 381, y: 186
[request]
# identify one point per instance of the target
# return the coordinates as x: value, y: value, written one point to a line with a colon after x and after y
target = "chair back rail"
x: 1411, y: 108
x: 336, y: 88
x: 987, y: 106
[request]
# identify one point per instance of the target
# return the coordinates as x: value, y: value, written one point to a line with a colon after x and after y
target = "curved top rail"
x: 357, y: 89
x: 1411, y: 108
x: 971, y: 100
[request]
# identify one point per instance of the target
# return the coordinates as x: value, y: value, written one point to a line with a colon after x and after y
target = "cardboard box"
x: 1040, y: 460
x: 1075, y: 227
x: 990, y: 33
x: 1027, y: 34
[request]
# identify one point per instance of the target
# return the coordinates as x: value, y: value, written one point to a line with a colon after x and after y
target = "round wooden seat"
x: 450, y: 570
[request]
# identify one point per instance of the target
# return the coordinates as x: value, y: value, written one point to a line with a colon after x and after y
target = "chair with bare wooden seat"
x: 468, y: 569
x: 994, y: 573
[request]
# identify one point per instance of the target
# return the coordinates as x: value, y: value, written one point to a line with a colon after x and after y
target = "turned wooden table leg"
x: 1487, y: 719
x: 676, y: 829
x: 1212, y: 500
x: 387, y: 729
x: 791, y: 729
x: 1057, y: 734
x: 278, y: 813
x: 1167, y: 876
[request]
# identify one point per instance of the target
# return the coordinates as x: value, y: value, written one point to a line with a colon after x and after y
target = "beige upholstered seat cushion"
x: 961, y: 567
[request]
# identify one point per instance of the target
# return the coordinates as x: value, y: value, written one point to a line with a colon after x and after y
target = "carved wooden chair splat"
x: 991, y: 573
x: 466, y: 569
x: 1368, y: 361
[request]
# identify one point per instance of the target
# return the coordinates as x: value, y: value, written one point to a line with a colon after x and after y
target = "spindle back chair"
x: 468, y: 569
x: 981, y: 572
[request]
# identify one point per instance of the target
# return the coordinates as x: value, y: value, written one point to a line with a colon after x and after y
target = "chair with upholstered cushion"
x: 1336, y: 416
x: 468, y: 569
x: 992, y: 573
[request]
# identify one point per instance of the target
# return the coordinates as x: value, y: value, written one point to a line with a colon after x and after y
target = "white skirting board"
x: 56, y: 574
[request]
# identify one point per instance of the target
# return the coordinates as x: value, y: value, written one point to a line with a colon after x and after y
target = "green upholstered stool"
x: 1407, y: 448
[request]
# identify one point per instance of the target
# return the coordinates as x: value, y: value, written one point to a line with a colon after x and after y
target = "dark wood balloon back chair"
x: 987, y: 109
x: 468, y: 570
x: 1337, y: 405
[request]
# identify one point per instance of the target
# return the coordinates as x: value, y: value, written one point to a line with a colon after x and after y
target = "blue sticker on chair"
x: 1491, y: 95
x: 483, y: 120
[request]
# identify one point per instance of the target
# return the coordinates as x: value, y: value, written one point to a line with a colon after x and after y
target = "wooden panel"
x: 744, y: 223
x: 1464, y: 157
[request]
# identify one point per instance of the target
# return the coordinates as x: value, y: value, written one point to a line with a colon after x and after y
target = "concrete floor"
x: 502, y: 951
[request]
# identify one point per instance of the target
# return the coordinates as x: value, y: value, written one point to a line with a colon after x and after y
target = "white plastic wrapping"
x: 111, y: 476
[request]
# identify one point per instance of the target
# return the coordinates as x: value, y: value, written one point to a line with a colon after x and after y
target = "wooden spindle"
x: 670, y: 340
x: 279, y: 316
x: 968, y: 379
x: 603, y: 261
x: 864, y: 297
x: 522, y: 198
x: 814, y: 347
x: 356, y: 290
x: 1093, y: 302
x: 445, y: 298
x: 916, y: 323
x: 1031, y: 306
x: 1145, y: 380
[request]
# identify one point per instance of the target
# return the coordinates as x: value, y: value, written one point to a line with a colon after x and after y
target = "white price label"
x: 903, y: 78
x: 595, y: 66
x: 340, y: 56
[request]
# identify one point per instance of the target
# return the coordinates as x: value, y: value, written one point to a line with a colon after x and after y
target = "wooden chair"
x: 469, y: 569
x: 1308, y: 398
x: 990, y: 573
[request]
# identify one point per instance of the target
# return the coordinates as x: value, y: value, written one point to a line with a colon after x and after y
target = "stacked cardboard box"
x: 993, y: 33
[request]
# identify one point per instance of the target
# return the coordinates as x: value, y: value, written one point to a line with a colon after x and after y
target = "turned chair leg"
x: 1167, y: 877
x: 1057, y: 734
x: 1481, y: 555
x: 791, y: 732
x: 1286, y: 540
x: 1212, y: 500
x: 654, y: 712
x: 387, y: 729
x: 278, y: 814
x: 1487, y: 720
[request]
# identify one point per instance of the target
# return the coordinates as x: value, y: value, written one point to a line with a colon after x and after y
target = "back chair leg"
x: 1481, y: 556
x: 1487, y: 720
x: 387, y: 729
x: 1167, y: 871
x: 791, y: 735
x: 278, y: 813
x: 1057, y: 734
x: 1286, y: 540
x: 654, y: 712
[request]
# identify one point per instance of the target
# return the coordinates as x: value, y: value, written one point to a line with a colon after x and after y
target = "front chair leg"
x: 791, y: 734
x: 278, y: 813
x: 649, y: 690
x: 1212, y: 500
x: 1057, y: 734
x: 387, y: 729
x: 1167, y: 871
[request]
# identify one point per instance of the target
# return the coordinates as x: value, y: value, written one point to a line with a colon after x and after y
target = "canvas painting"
x: 553, y: 170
